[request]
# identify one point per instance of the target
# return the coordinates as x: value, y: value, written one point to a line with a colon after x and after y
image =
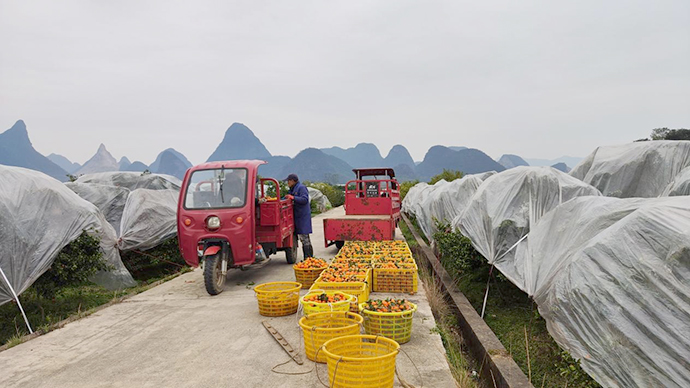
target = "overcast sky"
x: 535, y: 78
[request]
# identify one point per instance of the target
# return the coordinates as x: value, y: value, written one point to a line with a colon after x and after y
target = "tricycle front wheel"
x: 213, y: 274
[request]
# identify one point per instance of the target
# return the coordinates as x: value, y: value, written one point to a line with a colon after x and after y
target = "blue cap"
x: 292, y: 177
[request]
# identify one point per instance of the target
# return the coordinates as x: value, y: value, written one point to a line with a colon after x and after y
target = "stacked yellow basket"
x: 361, y: 361
x: 321, y: 327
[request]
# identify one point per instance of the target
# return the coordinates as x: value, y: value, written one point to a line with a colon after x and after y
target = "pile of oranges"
x: 343, y: 274
x: 325, y: 298
x: 311, y: 263
x: 348, y: 264
x: 397, y: 264
x: 388, y: 305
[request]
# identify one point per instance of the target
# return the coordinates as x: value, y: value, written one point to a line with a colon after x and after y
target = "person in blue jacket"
x: 300, y: 195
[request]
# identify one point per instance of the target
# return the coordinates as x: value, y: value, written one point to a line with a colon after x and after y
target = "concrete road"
x: 176, y: 335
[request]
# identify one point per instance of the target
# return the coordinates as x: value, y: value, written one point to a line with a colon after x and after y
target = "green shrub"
x: 74, y: 265
x: 570, y: 370
x: 335, y: 194
x: 448, y: 175
x: 457, y: 252
x: 405, y: 188
x: 670, y: 134
x: 509, y: 312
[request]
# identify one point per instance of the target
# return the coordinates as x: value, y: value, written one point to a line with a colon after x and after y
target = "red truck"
x: 372, y: 209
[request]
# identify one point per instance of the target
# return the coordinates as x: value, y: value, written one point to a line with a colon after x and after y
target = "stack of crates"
x: 388, y: 265
x: 359, y: 287
x: 394, y: 269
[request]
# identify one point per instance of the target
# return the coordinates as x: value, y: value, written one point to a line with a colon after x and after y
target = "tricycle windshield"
x: 217, y: 189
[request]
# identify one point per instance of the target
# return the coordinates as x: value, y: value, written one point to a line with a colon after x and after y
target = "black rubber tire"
x: 339, y: 244
x: 213, y: 275
x: 291, y: 253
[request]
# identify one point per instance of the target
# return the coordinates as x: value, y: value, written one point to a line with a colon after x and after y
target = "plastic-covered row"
x: 38, y: 217
x: 504, y: 208
x: 141, y: 207
x: 642, y: 169
x: 149, y: 218
x: 110, y: 200
x: 132, y: 180
x: 444, y: 201
x: 680, y: 185
x: 611, y: 279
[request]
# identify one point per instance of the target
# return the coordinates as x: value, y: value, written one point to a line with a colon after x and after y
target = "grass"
x: 446, y: 322
x: 515, y: 320
x: 44, y: 314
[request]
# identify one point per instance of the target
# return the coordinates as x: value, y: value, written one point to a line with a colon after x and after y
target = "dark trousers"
x: 307, y: 249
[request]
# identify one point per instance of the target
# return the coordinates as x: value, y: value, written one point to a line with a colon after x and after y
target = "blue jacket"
x: 302, y: 209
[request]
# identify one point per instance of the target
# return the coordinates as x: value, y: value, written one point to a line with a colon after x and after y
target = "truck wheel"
x: 339, y: 244
x: 213, y: 274
x: 291, y: 253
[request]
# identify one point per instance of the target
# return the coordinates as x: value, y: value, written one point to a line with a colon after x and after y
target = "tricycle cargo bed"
x: 359, y: 228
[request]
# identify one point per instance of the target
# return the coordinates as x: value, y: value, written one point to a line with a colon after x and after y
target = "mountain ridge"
x: 16, y: 150
x: 250, y: 147
x: 101, y: 161
x: 64, y: 163
x: 469, y: 161
x: 361, y: 155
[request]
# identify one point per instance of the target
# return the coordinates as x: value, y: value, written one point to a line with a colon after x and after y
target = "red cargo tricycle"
x: 226, y: 219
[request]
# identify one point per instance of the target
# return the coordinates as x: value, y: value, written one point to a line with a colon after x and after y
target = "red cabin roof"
x: 248, y: 164
x: 360, y: 172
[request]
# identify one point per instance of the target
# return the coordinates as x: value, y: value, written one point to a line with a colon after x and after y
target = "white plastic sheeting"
x: 411, y: 204
x: 679, y: 186
x: 132, y: 180
x: 642, y: 169
x: 149, y: 218
x: 507, y: 204
x: 430, y: 208
x: 322, y: 202
x: 141, y: 207
x: 444, y: 201
x: 38, y: 217
x: 611, y: 279
x: 110, y: 200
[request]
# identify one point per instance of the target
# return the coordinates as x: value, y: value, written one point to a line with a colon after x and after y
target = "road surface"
x: 176, y: 335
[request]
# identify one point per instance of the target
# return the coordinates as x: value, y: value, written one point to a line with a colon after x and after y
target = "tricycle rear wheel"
x: 213, y: 274
x: 339, y: 244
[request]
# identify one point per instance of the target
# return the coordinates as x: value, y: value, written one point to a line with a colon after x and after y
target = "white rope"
x: 16, y: 298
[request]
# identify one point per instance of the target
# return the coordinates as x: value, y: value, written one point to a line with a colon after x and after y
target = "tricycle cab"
x: 219, y: 212
x: 375, y: 191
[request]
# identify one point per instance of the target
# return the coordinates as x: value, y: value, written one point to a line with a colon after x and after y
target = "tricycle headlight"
x: 213, y: 222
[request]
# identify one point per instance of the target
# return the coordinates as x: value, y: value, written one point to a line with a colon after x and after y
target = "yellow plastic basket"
x: 359, y: 290
x: 396, y: 326
x: 321, y: 327
x: 395, y: 279
x: 361, y: 361
x: 316, y: 307
x: 307, y: 276
x: 278, y: 299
